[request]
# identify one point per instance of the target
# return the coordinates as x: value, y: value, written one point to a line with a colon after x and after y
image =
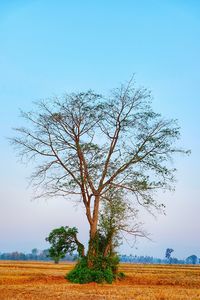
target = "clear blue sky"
x: 51, y: 47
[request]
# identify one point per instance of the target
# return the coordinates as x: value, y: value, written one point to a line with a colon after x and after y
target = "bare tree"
x: 87, y: 144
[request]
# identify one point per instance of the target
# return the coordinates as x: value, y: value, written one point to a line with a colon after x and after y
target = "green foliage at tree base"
x: 100, y: 274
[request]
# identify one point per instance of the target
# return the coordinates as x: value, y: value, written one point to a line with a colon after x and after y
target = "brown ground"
x: 43, y: 281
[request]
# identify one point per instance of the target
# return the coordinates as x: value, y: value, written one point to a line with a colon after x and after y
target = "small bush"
x: 120, y: 275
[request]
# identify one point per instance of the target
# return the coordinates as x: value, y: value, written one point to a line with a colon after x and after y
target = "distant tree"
x: 45, y: 253
x: 87, y: 144
x: 174, y: 260
x: 192, y: 259
x: 34, y: 252
x: 168, y: 254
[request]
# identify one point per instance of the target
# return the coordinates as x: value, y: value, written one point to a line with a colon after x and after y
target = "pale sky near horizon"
x: 52, y: 47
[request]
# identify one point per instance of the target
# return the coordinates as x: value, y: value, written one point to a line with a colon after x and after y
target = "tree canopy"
x: 64, y: 241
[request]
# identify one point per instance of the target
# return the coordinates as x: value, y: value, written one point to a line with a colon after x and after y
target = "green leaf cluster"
x: 63, y: 240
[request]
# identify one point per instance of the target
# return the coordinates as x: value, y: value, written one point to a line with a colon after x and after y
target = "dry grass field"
x: 43, y: 281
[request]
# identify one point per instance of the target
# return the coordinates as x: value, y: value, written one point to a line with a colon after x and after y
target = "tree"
x: 34, y: 251
x: 192, y: 259
x: 86, y: 144
x: 44, y: 254
x: 64, y: 240
x: 168, y: 254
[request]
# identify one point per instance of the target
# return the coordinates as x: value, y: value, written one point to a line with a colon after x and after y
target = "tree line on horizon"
x: 43, y: 255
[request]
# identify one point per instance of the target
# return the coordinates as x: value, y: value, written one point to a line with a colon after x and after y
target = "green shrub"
x: 98, y: 276
x: 109, y: 276
x: 80, y: 275
x: 104, y: 270
x: 101, y: 272
x: 113, y: 263
x: 120, y: 275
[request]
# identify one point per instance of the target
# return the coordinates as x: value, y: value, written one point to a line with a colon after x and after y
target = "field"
x: 43, y: 281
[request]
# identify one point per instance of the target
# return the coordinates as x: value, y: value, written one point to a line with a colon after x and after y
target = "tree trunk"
x: 107, y: 248
x: 92, y: 250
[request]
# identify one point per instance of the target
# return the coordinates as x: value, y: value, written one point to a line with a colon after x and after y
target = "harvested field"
x: 44, y: 280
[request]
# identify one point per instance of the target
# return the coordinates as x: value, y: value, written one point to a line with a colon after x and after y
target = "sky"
x: 52, y: 47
